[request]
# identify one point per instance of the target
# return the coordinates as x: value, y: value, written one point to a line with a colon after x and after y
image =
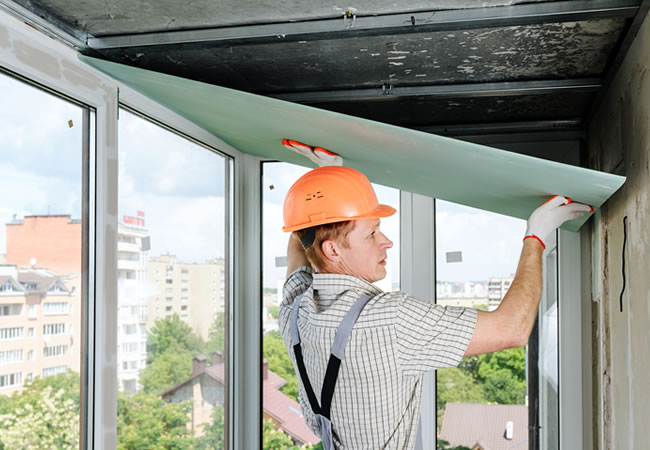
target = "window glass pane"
x: 40, y: 267
x: 484, y: 399
x: 280, y: 384
x: 172, y: 289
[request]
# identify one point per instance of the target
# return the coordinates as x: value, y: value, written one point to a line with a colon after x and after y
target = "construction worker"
x: 360, y: 354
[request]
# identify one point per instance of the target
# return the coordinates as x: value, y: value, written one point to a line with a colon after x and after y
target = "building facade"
x: 132, y: 254
x: 39, y: 325
x: 497, y: 288
x: 195, y: 292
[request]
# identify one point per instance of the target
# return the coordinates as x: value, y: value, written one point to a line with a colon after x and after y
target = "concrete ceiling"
x: 427, y: 65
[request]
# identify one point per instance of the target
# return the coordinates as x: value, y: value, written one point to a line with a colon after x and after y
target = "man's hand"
x: 511, y: 323
x: 551, y: 214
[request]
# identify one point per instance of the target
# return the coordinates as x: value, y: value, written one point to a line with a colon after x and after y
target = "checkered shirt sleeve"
x: 431, y: 336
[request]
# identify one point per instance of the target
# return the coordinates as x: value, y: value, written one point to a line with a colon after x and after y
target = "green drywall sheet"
x: 461, y: 172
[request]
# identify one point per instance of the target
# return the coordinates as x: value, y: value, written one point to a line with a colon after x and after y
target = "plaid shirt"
x: 396, y: 339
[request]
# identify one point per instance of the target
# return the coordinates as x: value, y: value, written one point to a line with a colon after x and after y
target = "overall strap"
x: 338, y: 349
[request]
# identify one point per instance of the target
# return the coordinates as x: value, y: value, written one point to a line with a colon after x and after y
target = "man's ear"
x: 330, y: 251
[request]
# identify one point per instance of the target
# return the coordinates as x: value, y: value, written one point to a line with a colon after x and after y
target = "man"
x: 366, y: 351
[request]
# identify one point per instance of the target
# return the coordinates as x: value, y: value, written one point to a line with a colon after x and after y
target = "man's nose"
x: 387, y: 242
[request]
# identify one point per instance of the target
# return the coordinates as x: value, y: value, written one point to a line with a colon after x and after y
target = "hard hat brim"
x: 379, y: 212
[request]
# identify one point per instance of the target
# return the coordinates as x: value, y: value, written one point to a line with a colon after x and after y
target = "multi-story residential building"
x: 193, y: 291
x: 39, y: 325
x: 497, y: 288
x: 48, y: 241
x: 132, y: 255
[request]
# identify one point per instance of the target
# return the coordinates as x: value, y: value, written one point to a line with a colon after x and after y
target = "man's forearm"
x: 521, y: 302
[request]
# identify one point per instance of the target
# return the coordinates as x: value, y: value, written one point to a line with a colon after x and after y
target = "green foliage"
x: 273, y: 310
x: 213, y: 432
x: 275, y: 439
x: 492, y: 378
x: 512, y: 360
x: 503, y: 376
x: 444, y: 445
x: 168, y: 369
x: 45, y: 414
x: 276, y: 354
x: 146, y: 421
x: 217, y: 336
x: 171, y: 331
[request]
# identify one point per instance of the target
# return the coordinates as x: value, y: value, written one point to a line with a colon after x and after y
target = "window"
x: 11, y: 356
x: 50, y: 351
x: 7, y: 286
x: 276, y: 180
x: 56, y: 308
x: 476, y: 257
x: 43, y: 138
x: 49, y: 371
x: 32, y: 314
x: 11, y: 333
x: 11, y: 379
x: 190, y: 180
x: 11, y: 310
x: 52, y: 329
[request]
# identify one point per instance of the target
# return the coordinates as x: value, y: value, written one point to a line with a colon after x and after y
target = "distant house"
x: 486, y: 427
x: 206, y: 389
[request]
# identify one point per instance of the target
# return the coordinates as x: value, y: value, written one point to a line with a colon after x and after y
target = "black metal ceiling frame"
x: 392, y: 24
x: 389, y: 24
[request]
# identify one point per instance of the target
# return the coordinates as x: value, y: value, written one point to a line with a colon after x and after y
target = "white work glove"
x: 552, y: 214
x: 318, y: 155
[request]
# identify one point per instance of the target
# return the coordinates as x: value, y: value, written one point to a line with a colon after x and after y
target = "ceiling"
x: 443, y: 66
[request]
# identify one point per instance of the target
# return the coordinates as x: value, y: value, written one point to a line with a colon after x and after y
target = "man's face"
x: 365, y: 257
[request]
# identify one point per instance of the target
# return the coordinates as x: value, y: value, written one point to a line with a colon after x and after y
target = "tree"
x: 454, y: 385
x: 275, y: 439
x: 273, y: 310
x: 146, y: 421
x: 213, y: 432
x: 171, y: 331
x: 43, y: 415
x: 167, y: 370
x: 279, y: 362
x: 217, y: 336
x: 502, y: 376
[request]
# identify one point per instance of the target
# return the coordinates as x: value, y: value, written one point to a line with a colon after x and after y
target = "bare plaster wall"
x: 619, y: 141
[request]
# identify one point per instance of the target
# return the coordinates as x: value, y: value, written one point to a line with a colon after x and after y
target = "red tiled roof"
x: 469, y: 424
x: 276, y: 404
x: 288, y: 413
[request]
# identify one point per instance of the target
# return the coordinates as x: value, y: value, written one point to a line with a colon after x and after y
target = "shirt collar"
x: 334, y: 283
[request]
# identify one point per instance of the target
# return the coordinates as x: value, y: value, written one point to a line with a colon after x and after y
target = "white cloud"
x: 490, y: 242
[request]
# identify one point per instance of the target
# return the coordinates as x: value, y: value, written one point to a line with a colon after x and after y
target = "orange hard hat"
x: 331, y: 194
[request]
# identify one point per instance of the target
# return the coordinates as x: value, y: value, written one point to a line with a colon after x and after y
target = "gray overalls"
x: 322, y: 411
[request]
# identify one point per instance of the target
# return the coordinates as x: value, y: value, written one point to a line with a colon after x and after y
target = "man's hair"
x: 337, y: 232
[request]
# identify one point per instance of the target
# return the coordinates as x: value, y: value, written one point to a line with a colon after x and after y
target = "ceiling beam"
x: 509, y: 88
x: 46, y: 22
x: 503, y: 127
x: 389, y: 24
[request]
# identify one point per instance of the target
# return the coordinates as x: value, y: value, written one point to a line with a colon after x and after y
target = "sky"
x: 179, y: 186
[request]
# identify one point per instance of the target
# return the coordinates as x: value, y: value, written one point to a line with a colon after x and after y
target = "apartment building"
x: 497, y: 288
x: 194, y: 291
x: 132, y: 254
x: 39, y: 325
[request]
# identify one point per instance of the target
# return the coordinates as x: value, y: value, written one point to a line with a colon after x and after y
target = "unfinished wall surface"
x: 619, y: 142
